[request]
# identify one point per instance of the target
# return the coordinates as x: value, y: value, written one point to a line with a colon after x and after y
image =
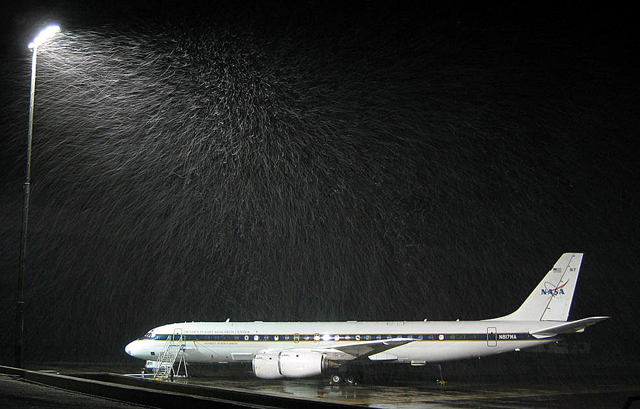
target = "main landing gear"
x: 344, y: 379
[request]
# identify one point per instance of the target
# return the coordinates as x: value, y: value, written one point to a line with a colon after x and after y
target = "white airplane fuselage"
x: 301, y: 349
x: 436, y: 341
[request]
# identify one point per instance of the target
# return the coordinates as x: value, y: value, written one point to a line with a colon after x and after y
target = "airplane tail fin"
x: 551, y: 299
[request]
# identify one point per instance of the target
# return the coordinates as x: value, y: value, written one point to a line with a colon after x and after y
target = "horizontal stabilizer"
x: 567, y: 328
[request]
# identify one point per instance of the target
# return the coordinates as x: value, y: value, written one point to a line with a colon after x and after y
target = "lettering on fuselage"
x: 235, y: 331
x: 506, y: 337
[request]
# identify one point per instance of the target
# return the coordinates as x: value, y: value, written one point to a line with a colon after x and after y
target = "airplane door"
x: 177, y: 334
x: 492, y: 337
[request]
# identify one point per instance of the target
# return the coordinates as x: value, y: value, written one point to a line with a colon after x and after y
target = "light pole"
x: 43, y: 36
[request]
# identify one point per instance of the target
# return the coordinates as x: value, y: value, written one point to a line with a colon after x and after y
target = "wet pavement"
x: 19, y: 393
x: 574, y: 389
x: 431, y: 395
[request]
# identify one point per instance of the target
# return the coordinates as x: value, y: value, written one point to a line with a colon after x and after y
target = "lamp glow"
x: 44, y: 35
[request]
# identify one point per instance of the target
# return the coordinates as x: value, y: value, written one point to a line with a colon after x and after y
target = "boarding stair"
x: 173, y: 351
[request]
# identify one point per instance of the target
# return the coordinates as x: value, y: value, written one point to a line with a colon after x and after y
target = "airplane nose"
x: 130, y: 349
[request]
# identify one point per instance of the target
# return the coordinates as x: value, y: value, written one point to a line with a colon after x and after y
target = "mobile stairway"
x: 173, y: 351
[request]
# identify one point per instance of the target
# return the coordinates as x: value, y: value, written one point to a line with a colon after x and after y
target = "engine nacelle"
x: 266, y: 365
x: 291, y: 363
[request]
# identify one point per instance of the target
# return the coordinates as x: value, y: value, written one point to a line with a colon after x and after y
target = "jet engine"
x: 291, y: 363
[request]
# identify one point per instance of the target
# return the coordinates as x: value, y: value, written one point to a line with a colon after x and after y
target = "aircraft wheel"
x: 351, y: 380
x: 336, y: 379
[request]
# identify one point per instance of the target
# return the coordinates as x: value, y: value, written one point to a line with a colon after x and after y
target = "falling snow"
x: 258, y: 170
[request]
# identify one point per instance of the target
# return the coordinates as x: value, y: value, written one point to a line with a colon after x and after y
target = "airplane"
x: 305, y: 349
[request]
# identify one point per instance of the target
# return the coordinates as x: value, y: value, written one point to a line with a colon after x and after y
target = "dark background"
x: 312, y: 161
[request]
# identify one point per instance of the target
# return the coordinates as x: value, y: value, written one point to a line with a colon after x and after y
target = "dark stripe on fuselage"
x: 346, y: 338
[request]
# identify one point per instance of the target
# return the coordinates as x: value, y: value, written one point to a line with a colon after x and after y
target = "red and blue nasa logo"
x: 553, y: 290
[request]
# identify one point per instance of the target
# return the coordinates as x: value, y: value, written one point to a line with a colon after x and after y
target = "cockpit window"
x: 148, y: 335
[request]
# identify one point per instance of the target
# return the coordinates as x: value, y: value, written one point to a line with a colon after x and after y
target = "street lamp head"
x: 44, y: 35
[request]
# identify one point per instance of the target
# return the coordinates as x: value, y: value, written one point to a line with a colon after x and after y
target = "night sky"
x: 310, y: 162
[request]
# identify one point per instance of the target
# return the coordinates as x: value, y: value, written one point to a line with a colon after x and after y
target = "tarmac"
x: 450, y: 395
x: 237, y: 389
x: 16, y: 392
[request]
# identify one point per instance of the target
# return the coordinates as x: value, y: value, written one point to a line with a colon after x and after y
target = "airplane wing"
x: 361, y: 350
x: 567, y: 327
